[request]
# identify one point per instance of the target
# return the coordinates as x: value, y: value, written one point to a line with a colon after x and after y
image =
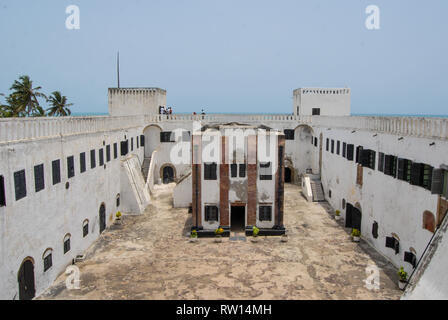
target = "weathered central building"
x: 238, y: 179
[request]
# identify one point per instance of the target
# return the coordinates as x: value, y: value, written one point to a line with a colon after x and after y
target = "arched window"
x: 85, y: 228
x: 429, y: 221
x: 67, y: 243
x: 48, y: 259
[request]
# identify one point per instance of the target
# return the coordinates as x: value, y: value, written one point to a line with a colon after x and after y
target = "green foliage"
x: 402, y: 274
x: 356, y: 233
x: 337, y: 212
x: 219, y: 231
x: 194, y: 234
x: 118, y: 214
x: 255, y: 231
x: 24, y: 101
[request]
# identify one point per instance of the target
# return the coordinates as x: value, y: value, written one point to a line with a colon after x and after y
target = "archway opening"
x: 27, y: 289
x: 168, y: 174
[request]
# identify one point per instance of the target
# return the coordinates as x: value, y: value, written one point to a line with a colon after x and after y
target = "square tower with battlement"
x: 321, y: 102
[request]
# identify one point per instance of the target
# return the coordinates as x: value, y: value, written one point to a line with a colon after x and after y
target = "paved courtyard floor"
x: 149, y: 257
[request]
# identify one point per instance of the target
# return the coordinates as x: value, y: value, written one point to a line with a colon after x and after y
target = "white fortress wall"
x: 135, y: 101
x: 41, y: 220
x: 396, y: 205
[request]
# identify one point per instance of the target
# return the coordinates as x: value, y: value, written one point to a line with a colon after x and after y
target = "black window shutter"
x: 82, y: 162
x: 402, y: 168
x: 124, y: 147
x: 2, y: 192
x: 390, y: 242
x: 344, y: 149
x: 20, y: 184
x: 328, y: 144
x: 142, y: 140
x: 350, y: 150
x: 437, y: 181
x: 70, y: 166
x: 233, y: 170
x: 39, y: 182
x: 108, y: 153
x: 381, y: 162
x: 56, y: 170
x: 358, y: 154
x: 411, y: 258
x: 375, y: 229
x: 115, y: 150
x: 242, y: 170
x: 387, y: 164
x: 417, y: 174
x: 365, y: 157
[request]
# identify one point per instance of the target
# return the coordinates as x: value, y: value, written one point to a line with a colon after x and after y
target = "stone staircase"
x: 318, y: 192
x: 145, y: 167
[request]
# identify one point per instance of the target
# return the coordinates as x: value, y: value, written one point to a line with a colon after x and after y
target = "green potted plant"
x: 337, y: 215
x: 255, y: 232
x: 118, y: 218
x: 194, y: 236
x: 356, y: 234
x: 403, y: 278
x: 218, y: 234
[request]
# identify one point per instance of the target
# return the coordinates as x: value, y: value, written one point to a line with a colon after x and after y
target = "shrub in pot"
x: 356, y: 234
x: 403, y: 278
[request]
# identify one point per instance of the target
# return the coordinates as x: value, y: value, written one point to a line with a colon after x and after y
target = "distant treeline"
x: 24, y: 101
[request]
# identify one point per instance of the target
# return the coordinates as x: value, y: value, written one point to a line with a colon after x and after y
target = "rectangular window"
x: 48, y: 262
x: 242, y: 170
x: 101, y: 156
x: 67, y: 245
x: 381, y: 162
x: 417, y: 174
x: 344, y: 149
x: 210, y: 171
x: 316, y: 112
x: 136, y: 138
x: 265, y: 213
x: 312, y: 140
x: 211, y: 213
x: 390, y: 165
x: 124, y: 147
x: 403, y: 169
x: 82, y: 162
x: 358, y: 154
x: 328, y: 145
x: 315, y: 141
x: 56, y: 171
x: 289, y: 134
x: 2, y: 192
x: 338, y: 147
x: 20, y: 184
x: 70, y: 167
x: 233, y: 170
x: 445, y: 184
x: 115, y: 150
x: 132, y: 144
x: 332, y: 146
x: 367, y: 158
x: 92, y: 159
x: 167, y: 136
x: 142, y: 140
x: 265, y: 171
x: 350, y: 151
x: 108, y: 153
x: 39, y: 180
x: 427, y: 176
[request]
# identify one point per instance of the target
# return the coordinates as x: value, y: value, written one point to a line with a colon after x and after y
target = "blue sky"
x: 232, y: 56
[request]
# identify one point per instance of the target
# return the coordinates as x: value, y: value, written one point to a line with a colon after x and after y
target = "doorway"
x: 348, y: 215
x: 26, y: 280
x: 102, y: 218
x: 288, y: 175
x: 168, y: 174
x: 238, y: 218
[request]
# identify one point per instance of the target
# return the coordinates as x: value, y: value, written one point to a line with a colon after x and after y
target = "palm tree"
x: 59, y: 105
x: 24, y: 97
